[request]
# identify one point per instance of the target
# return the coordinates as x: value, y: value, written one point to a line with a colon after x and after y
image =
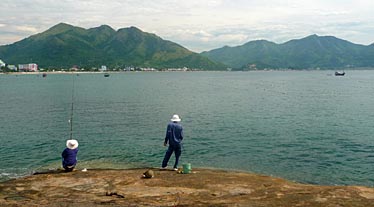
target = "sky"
x: 198, y: 25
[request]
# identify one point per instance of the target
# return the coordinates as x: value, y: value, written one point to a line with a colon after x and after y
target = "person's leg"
x: 69, y: 168
x: 167, y: 156
x: 177, y: 152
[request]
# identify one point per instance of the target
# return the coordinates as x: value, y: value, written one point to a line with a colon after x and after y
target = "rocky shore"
x: 203, y: 187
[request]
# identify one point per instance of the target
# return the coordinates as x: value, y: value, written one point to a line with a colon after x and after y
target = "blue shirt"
x: 174, y: 134
x: 69, y: 157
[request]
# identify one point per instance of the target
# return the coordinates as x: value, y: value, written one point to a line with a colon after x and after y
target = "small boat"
x: 339, y: 73
x: 106, y: 74
x: 44, y: 75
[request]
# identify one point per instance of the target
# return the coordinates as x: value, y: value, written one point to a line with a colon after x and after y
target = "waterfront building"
x: 103, y: 68
x: 31, y: 67
x: 12, y: 67
x: 2, y: 64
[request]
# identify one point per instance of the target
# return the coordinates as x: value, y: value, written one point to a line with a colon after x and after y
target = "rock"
x: 168, y: 188
x: 148, y: 174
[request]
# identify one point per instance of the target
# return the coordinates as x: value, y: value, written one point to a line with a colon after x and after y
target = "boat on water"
x: 44, y: 75
x: 106, y: 74
x: 339, y: 73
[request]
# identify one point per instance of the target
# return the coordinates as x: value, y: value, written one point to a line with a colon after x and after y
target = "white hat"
x: 175, y: 118
x: 71, y: 143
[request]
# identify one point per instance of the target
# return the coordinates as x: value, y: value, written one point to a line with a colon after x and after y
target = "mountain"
x: 64, y: 45
x: 310, y: 52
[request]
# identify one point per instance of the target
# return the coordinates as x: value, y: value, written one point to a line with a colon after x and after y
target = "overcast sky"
x: 198, y: 25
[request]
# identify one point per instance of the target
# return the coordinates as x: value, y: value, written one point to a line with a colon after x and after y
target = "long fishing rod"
x: 72, y: 110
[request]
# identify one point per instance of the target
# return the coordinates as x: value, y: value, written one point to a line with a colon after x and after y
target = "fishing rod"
x: 72, y: 110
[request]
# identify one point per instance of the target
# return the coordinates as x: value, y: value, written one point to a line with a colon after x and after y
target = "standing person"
x: 69, y: 155
x: 174, y: 136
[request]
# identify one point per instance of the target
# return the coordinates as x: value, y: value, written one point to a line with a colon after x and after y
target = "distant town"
x: 33, y: 67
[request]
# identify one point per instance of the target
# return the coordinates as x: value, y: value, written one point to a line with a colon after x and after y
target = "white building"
x: 2, y: 64
x: 31, y: 67
x: 103, y: 68
x: 12, y: 67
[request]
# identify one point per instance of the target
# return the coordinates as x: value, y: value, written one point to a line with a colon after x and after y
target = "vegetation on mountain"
x: 64, y: 46
x: 312, y: 52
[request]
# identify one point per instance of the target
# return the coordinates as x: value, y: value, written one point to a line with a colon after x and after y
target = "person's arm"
x: 167, y: 136
x: 182, y: 133
x: 63, y: 155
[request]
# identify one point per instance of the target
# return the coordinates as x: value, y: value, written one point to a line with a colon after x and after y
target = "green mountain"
x: 63, y: 46
x: 310, y: 52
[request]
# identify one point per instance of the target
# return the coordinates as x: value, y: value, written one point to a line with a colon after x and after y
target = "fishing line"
x: 72, y: 109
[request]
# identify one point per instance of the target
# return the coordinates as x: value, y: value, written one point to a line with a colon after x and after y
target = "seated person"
x: 69, y: 155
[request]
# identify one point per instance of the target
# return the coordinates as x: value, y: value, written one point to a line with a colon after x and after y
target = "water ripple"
x: 302, y: 126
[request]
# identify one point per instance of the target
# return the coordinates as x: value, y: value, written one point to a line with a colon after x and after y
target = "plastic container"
x: 187, y: 168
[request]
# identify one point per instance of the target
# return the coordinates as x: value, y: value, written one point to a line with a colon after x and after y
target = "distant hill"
x: 307, y: 53
x: 64, y: 45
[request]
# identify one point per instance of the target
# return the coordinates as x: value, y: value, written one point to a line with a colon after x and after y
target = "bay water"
x: 305, y: 126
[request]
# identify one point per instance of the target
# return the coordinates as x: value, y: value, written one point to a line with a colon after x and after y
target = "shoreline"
x: 54, y: 170
x: 59, y: 72
x: 202, y: 187
x: 113, y: 72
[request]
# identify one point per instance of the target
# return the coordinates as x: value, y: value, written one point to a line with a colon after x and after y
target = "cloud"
x: 197, y: 25
x: 26, y: 29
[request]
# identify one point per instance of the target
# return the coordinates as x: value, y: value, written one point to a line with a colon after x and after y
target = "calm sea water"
x: 309, y: 127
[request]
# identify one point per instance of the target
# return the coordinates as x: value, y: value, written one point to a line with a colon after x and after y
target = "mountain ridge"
x: 65, y: 45
x: 311, y: 52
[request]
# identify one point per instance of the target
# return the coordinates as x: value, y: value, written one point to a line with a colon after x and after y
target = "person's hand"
x: 164, y: 144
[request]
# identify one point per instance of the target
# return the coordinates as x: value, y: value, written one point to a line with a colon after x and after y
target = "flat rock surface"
x: 203, y: 187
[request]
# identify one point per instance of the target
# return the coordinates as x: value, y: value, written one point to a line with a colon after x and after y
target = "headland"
x: 202, y: 187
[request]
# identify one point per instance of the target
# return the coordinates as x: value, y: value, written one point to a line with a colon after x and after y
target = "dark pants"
x: 68, y: 168
x: 177, y: 149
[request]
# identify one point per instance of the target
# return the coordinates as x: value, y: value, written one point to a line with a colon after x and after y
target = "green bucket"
x: 187, y: 168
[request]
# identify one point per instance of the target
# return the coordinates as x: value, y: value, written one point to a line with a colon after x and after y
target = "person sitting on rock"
x: 69, y: 155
